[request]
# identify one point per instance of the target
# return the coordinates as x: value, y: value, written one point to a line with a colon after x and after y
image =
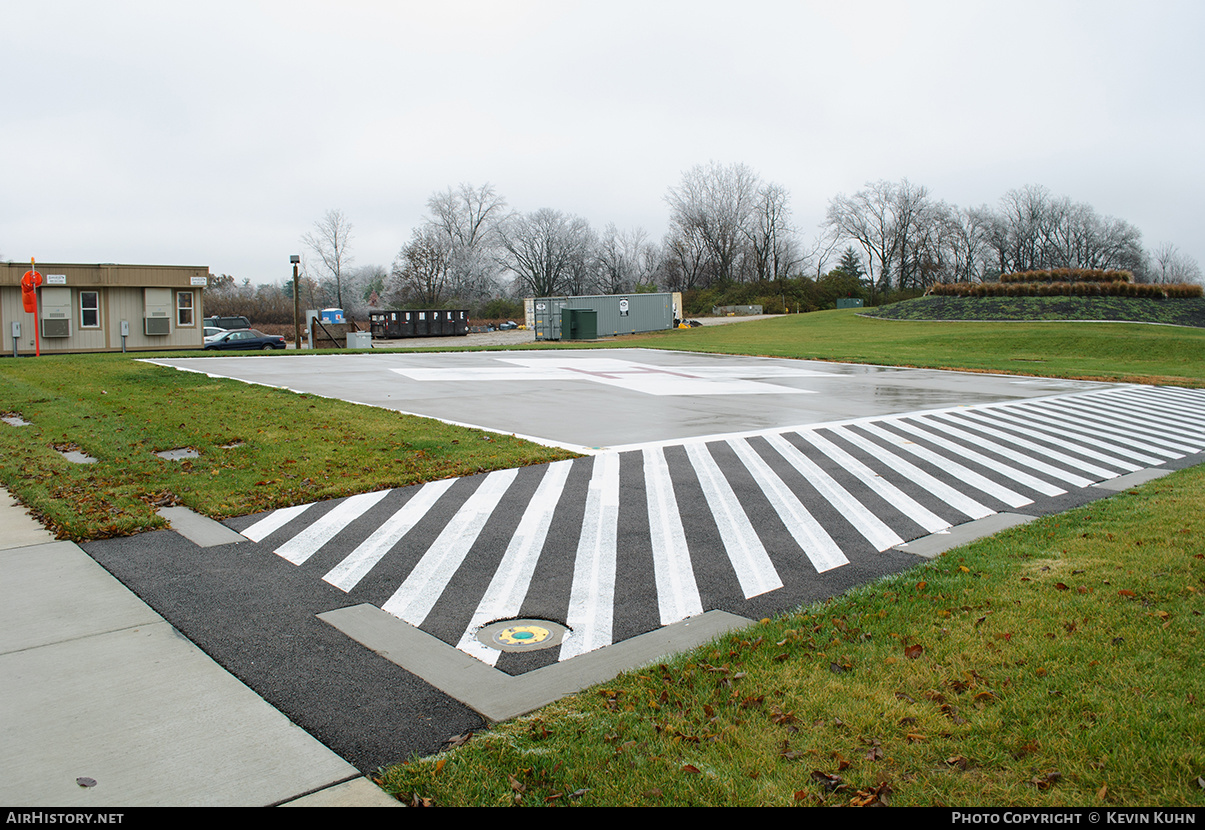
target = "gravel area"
x: 517, y: 337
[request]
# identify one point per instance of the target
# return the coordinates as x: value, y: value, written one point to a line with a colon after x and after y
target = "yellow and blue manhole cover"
x: 522, y: 635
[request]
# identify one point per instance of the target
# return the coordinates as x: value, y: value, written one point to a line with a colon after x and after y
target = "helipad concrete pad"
x: 589, y: 400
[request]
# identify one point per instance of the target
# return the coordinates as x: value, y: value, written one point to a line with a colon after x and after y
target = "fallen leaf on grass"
x: 787, y: 754
x: 876, y: 797
x: 1045, y: 782
x: 914, y: 651
x: 459, y: 740
x: 832, y: 783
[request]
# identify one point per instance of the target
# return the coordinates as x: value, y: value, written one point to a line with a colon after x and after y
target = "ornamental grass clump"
x: 1066, y: 282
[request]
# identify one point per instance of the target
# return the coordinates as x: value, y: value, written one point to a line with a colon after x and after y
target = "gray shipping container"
x: 617, y: 313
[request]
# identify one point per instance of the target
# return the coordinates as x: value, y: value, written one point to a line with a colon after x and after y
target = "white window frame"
x: 95, y: 309
x: 182, y: 309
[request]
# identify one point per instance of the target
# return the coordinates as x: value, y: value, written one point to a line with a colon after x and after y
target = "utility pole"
x: 294, y: 258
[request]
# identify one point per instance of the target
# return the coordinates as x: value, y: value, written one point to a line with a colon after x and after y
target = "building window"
x: 89, y: 309
x: 184, y: 308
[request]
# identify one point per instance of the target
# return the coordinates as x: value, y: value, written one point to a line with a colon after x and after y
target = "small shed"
x: 88, y: 308
x: 615, y: 313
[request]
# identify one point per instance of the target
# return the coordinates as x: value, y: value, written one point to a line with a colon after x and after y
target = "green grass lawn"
x: 258, y: 448
x: 1100, y: 351
x: 1058, y: 663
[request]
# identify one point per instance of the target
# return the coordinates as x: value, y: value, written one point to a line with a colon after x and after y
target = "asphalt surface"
x: 809, y: 479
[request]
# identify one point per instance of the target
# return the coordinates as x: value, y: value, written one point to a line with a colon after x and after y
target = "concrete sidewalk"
x: 106, y: 705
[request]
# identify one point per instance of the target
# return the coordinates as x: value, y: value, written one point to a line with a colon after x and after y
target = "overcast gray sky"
x: 215, y: 133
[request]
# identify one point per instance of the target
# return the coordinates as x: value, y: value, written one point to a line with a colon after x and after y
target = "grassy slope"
x: 1176, y: 312
x: 1106, y: 351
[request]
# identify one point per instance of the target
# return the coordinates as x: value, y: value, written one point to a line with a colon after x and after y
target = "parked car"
x: 212, y: 332
x: 245, y: 339
x: 228, y: 322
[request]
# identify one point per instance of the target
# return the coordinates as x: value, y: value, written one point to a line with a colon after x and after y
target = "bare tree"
x: 687, y: 262
x: 420, y: 271
x: 546, y: 250
x: 468, y: 217
x: 715, y: 204
x: 822, y: 249
x: 869, y: 220
x: 964, y: 242
x: 625, y: 260
x: 773, y: 246
x: 1169, y: 265
x: 330, y: 241
x: 1035, y: 230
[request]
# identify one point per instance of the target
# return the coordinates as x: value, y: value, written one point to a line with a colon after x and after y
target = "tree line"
x: 730, y: 233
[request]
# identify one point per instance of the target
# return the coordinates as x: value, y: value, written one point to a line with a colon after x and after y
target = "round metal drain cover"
x: 522, y: 635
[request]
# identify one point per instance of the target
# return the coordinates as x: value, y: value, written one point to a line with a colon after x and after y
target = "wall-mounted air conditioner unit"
x: 158, y: 319
x: 56, y: 311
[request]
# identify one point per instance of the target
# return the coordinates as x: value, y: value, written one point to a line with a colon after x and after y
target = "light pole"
x: 294, y: 258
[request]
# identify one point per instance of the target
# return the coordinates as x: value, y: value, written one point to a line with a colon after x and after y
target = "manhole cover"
x: 522, y: 635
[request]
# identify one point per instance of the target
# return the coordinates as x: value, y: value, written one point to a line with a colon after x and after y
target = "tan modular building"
x: 87, y: 308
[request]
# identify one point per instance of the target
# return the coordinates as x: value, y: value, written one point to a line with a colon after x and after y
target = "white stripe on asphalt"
x: 504, y: 597
x: 869, y: 525
x: 306, y: 543
x: 348, y: 573
x: 815, y: 542
x: 593, y: 593
x: 1022, y: 478
x: 895, y: 497
x: 275, y: 520
x: 1142, y: 423
x: 677, y: 593
x: 1111, y: 440
x: 1167, y: 399
x: 948, y: 465
x: 1008, y: 452
x: 748, y: 556
x: 963, y: 420
x: 959, y: 501
x: 413, y: 600
x: 1024, y: 423
x: 1159, y: 407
